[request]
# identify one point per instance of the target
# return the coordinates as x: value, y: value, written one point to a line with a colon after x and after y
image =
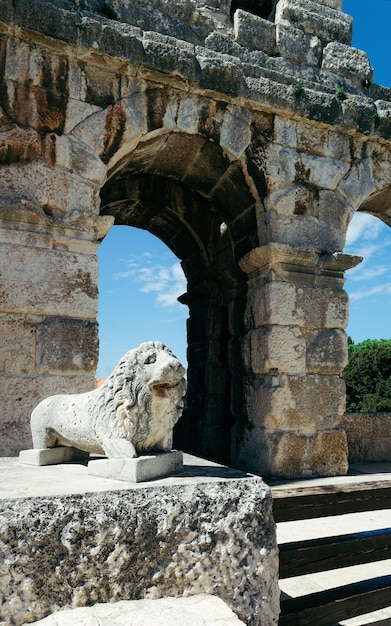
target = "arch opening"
x: 368, y: 284
x: 139, y: 283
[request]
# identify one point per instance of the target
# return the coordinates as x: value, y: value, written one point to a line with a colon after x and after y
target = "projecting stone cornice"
x: 301, y: 62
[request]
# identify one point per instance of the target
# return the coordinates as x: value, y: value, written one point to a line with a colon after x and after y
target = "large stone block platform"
x: 69, y: 539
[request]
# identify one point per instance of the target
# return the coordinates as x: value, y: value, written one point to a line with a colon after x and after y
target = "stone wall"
x: 369, y: 437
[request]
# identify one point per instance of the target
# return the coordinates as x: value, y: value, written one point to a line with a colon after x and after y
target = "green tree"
x: 368, y: 376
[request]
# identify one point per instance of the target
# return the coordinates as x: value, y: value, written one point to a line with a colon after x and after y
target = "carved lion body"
x: 134, y: 410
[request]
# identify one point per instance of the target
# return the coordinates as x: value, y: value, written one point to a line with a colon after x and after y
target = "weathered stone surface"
x: 169, y: 54
x: 327, y: 352
x: 316, y: 19
x: 297, y: 45
x: 294, y: 455
x: 220, y: 72
x: 59, y: 193
x: 66, y: 345
x: 368, y: 435
x: 192, y: 611
x: 276, y: 348
x: 45, y: 281
x: 235, y: 135
x: 286, y: 304
x: 286, y: 402
x: 18, y: 345
x: 204, y: 531
x: 20, y: 394
x: 347, y: 61
x: 254, y: 32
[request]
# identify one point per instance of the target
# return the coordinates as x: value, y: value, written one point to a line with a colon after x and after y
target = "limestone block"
x: 383, y: 118
x: 235, y: 134
x: 280, y: 166
x: 202, y: 531
x: 60, y: 192
x: 116, y: 130
x: 306, y: 231
x: 368, y: 436
x: 285, y: 165
x: 276, y: 348
x: 188, y: 115
x: 57, y: 23
x: 304, y: 404
x: 294, y: 455
x: 254, y: 32
x: 17, y: 345
x: 191, y: 20
x: 296, y: 200
x: 327, y: 351
x: 169, y: 54
x: 324, y: 172
x: 100, y: 86
x: 191, y: 611
x: 333, y: 4
x: 140, y: 469
x: 282, y: 304
x: 220, y: 72
x: 47, y: 281
x: 285, y: 132
x: 17, y: 144
x: 311, y: 138
x: 359, y: 183
x: 347, y: 61
x: 338, y: 146
x: 67, y: 346
x: 39, y: 80
x: 359, y: 113
x: 20, y: 394
x: 74, y: 156
x: 330, y: 207
x: 316, y: 18
x: 298, y: 46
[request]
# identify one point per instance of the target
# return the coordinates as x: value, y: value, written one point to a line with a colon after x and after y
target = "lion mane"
x: 135, y: 410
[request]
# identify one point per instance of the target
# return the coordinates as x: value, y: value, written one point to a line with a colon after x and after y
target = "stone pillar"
x: 294, y: 351
x: 48, y: 309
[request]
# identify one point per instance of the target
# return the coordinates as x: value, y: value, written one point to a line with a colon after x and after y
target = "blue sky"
x: 369, y: 284
x: 140, y: 279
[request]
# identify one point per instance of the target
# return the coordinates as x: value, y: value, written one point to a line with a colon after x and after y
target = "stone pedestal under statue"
x: 72, y: 539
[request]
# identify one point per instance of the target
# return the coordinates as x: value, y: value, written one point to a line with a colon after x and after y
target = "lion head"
x: 143, y: 398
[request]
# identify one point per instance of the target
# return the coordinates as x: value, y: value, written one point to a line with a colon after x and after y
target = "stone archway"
x: 184, y: 190
x: 246, y: 144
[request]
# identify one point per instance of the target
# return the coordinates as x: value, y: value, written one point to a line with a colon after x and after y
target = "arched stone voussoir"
x: 115, y: 131
x: 379, y: 204
x: 358, y: 183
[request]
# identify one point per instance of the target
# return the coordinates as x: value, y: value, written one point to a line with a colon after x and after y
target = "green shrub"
x: 368, y: 376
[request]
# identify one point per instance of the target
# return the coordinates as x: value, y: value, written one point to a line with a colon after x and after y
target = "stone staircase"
x: 330, y: 503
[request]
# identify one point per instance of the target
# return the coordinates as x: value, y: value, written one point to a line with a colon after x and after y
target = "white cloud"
x: 363, y: 228
x: 384, y: 290
x: 369, y: 273
x: 167, y: 282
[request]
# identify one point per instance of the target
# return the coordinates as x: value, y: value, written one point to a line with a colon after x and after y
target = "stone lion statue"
x: 134, y: 411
